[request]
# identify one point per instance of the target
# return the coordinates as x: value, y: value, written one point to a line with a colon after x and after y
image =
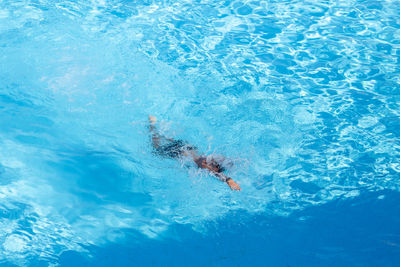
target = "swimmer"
x: 171, y: 148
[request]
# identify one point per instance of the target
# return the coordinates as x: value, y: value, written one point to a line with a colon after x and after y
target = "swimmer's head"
x: 215, y: 165
x: 210, y: 164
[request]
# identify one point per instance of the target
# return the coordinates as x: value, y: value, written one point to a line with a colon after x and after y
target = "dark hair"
x: 215, y: 164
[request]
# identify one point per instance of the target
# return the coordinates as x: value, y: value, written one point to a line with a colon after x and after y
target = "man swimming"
x: 171, y: 148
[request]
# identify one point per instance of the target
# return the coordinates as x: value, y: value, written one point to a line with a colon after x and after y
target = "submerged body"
x: 171, y: 148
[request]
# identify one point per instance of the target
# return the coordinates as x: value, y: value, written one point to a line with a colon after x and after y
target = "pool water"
x: 303, y: 97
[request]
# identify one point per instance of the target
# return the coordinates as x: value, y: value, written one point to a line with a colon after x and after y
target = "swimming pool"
x: 302, y: 96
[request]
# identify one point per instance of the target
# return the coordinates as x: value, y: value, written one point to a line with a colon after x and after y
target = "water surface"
x: 302, y: 96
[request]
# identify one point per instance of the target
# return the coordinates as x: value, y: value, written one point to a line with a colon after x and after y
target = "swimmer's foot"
x: 152, y: 119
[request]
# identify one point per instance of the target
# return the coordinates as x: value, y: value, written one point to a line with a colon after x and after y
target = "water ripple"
x: 303, y: 96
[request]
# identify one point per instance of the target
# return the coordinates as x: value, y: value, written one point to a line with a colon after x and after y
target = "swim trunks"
x: 173, y: 149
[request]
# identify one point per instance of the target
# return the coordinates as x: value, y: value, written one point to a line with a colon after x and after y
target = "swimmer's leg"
x: 156, y: 137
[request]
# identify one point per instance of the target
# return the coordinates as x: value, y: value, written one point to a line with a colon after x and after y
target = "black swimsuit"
x: 173, y: 149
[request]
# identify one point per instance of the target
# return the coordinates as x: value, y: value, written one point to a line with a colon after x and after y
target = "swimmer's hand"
x: 152, y: 119
x: 233, y: 185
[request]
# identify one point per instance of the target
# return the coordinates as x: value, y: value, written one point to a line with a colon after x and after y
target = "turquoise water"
x: 303, y: 97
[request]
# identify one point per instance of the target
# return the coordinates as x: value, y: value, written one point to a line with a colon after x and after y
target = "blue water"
x: 302, y: 96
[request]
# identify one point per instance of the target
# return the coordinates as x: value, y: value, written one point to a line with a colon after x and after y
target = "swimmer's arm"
x: 231, y: 183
